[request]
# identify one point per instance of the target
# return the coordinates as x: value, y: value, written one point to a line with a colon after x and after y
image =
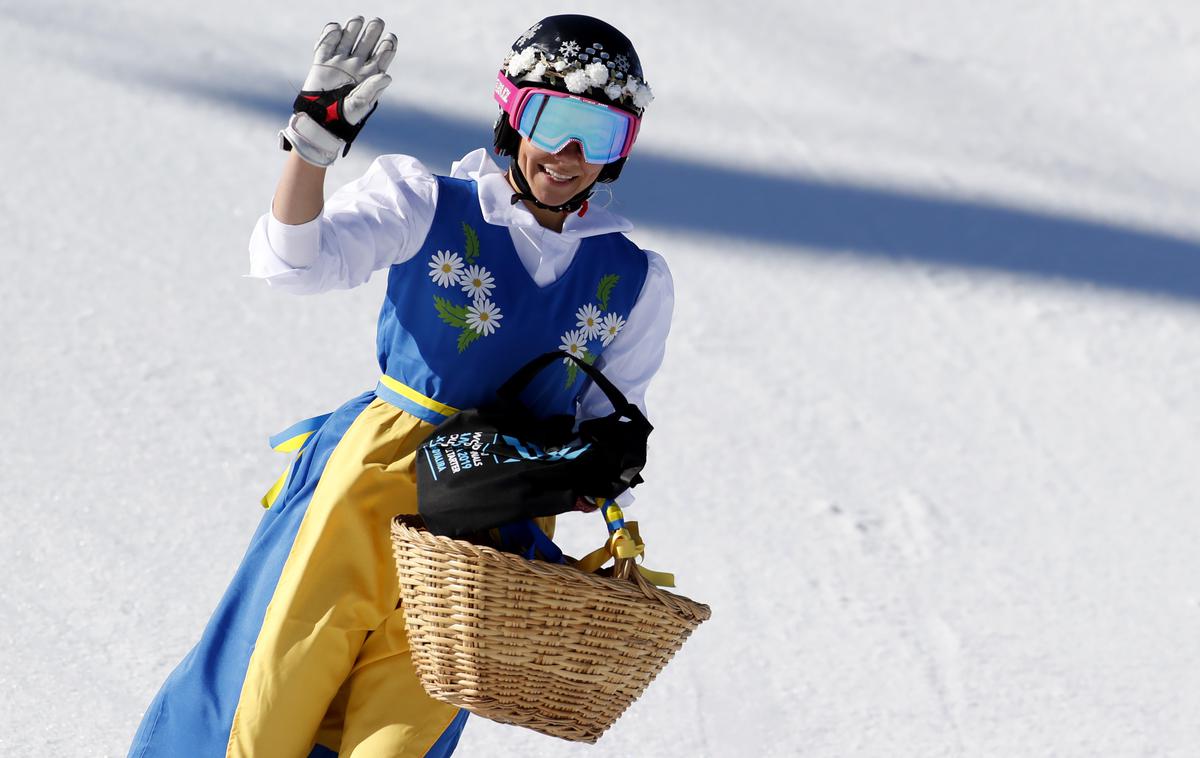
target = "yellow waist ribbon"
x: 291, y: 440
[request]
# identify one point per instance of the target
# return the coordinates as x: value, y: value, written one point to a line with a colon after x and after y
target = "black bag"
x: 487, y: 467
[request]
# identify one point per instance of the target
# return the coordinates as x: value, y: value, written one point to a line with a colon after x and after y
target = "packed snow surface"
x: 925, y: 422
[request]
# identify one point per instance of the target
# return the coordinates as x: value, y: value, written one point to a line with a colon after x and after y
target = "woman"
x: 306, y: 653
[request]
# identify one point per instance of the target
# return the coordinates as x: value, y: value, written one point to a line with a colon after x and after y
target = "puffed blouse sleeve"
x: 377, y: 220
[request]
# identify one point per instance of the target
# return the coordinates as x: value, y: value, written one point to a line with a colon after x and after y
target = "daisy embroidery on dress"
x: 610, y: 327
x: 479, y: 316
x: 483, y: 316
x: 477, y: 282
x: 574, y: 343
x: 446, y: 268
x: 591, y: 326
x: 589, y: 320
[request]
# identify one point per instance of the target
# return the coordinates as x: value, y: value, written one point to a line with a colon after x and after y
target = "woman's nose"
x: 573, y: 149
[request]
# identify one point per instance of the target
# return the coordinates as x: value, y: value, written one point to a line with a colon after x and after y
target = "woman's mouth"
x: 557, y: 177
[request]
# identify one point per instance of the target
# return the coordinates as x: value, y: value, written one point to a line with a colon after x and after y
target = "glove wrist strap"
x: 318, y: 129
x: 310, y: 141
x: 325, y: 108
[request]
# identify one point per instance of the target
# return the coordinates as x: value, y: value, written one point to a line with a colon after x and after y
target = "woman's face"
x: 556, y: 177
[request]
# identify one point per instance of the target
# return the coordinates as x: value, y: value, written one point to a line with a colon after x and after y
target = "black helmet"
x: 580, y: 55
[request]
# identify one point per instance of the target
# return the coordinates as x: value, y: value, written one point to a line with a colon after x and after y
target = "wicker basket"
x: 531, y: 643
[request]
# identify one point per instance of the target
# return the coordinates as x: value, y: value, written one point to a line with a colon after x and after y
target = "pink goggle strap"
x: 511, y: 98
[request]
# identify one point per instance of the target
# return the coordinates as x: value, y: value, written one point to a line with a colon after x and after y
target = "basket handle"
x: 624, y: 546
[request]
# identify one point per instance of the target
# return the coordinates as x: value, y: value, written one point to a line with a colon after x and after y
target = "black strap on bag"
x: 622, y: 434
x: 487, y: 467
x: 516, y: 383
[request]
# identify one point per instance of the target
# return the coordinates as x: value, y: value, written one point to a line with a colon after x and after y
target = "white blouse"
x: 382, y: 218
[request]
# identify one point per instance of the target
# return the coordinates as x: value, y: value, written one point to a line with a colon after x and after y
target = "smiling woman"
x: 557, y: 178
x: 307, y: 652
x: 570, y: 112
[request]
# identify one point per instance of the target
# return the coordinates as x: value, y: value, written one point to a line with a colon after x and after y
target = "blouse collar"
x: 495, y: 201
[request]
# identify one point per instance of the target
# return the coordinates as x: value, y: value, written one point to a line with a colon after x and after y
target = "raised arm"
x: 300, y: 194
x: 307, y: 244
x: 341, y: 91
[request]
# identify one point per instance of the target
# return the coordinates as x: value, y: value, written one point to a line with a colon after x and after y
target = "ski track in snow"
x: 900, y: 538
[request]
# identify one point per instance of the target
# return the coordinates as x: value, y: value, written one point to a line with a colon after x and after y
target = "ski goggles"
x: 550, y: 119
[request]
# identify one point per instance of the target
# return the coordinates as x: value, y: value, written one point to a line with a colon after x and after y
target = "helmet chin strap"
x: 526, y: 193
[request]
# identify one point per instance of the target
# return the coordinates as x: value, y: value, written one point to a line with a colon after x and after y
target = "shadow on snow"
x: 889, y: 224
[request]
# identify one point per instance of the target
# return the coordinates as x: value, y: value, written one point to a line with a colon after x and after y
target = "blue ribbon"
x: 526, y: 538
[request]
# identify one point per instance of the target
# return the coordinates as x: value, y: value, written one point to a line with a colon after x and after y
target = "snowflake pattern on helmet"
x: 581, y: 68
x: 528, y: 33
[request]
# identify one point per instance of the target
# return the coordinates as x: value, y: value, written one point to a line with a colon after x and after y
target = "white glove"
x: 341, y: 91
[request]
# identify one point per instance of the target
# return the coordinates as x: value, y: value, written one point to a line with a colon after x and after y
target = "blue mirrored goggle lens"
x: 551, y: 122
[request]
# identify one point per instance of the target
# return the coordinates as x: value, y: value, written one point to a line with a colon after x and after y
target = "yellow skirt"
x: 307, y: 653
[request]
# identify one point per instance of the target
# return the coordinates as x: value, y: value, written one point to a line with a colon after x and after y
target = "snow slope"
x: 924, y: 426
